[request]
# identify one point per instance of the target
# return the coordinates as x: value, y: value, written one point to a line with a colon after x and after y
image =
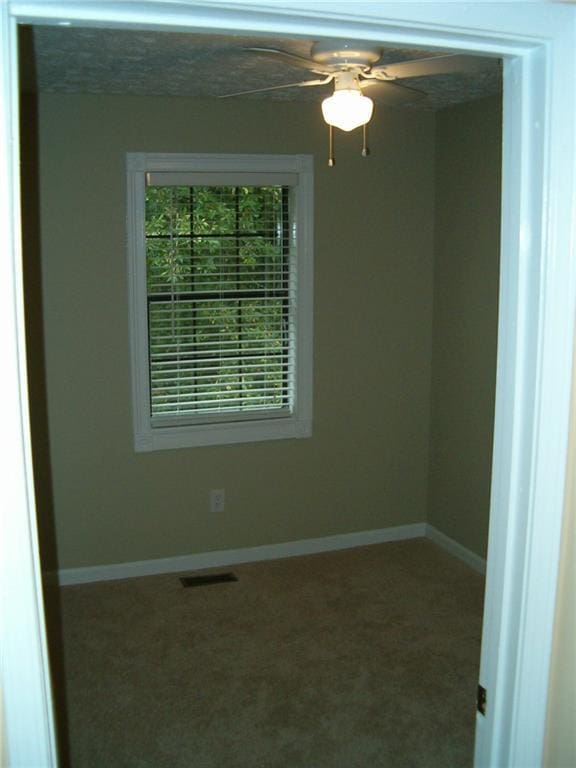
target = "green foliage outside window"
x: 217, y: 279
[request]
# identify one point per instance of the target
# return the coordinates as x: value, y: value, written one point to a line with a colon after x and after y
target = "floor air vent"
x: 211, y: 578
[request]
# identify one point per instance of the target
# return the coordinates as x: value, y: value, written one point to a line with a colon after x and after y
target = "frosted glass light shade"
x: 347, y: 109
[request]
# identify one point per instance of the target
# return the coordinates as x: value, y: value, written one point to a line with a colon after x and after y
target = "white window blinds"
x: 220, y: 264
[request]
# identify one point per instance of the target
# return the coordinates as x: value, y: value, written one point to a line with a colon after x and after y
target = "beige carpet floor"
x: 365, y: 657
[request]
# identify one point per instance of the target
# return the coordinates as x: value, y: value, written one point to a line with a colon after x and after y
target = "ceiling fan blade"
x: 392, y: 94
x: 302, y: 84
x: 436, y: 65
x: 293, y: 58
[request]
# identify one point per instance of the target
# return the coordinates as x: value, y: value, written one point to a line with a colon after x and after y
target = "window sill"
x: 166, y: 438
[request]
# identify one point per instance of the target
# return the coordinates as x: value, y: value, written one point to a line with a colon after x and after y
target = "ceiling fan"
x: 355, y: 67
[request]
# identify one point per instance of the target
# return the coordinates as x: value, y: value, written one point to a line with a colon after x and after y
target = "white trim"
x: 535, y: 348
x: 27, y: 736
x: 454, y: 548
x: 221, y: 558
x: 295, y: 171
x: 538, y: 283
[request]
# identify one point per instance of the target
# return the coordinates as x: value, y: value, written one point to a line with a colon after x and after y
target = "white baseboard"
x: 451, y: 546
x: 226, y: 557
x: 68, y: 576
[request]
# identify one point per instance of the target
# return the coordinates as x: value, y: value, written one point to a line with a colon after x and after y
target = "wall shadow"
x: 37, y: 393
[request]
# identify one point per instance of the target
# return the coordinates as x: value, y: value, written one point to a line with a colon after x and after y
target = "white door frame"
x: 537, y: 303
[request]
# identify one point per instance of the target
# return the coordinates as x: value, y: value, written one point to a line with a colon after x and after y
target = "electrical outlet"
x: 217, y: 500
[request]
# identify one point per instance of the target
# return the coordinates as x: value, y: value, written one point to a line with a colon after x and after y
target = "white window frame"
x: 237, y: 170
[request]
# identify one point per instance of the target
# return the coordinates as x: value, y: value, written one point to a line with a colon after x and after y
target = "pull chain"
x: 365, y: 150
x: 331, y: 161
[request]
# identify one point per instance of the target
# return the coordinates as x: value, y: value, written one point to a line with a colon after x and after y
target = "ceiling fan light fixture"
x: 347, y: 109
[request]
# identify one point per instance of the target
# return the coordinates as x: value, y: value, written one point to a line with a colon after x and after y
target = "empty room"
x: 262, y: 355
x: 359, y: 649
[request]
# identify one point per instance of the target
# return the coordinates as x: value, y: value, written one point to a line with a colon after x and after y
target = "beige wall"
x: 468, y: 160
x: 366, y: 465
x: 560, y: 749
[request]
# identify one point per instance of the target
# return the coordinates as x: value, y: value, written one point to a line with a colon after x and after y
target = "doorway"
x: 513, y: 453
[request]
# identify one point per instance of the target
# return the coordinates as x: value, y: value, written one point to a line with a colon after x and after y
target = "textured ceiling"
x: 116, y: 61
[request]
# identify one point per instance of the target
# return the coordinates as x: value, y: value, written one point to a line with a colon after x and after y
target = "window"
x: 220, y: 269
